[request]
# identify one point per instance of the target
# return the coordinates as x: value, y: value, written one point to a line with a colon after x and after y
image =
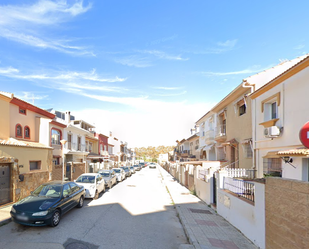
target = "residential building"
x: 279, y: 113
x: 207, y: 148
x: 25, y: 162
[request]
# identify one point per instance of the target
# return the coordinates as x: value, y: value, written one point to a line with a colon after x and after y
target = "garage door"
x: 4, y: 183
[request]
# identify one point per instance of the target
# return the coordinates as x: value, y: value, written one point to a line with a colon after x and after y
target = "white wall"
x: 248, y: 218
x: 293, y: 113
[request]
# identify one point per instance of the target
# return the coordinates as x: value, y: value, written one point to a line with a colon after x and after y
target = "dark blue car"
x: 48, y: 203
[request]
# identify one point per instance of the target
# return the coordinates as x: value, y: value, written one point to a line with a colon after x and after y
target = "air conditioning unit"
x: 272, y: 131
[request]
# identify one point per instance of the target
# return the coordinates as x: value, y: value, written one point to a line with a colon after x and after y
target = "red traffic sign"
x: 304, y: 135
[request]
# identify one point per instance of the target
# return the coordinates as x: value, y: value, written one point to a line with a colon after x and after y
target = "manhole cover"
x: 131, y: 186
x: 76, y: 245
x: 185, y: 193
x: 200, y: 211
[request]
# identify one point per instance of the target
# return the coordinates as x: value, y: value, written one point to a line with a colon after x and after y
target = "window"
x: 74, y: 187
x: 272, y: 166
x: 101, y: 147
x: 56, y: 136
x: 66, y: 190
x: 273, y: 111
x: 19, y: 131
x: 242, y: 109
x: 22, y: 110
x: 79, y: 145
x: 27, y: 132
x: 247, y: 150
x: 35, y: 165
x: 270, y: 107
x: 90, y: 147
x: 56, y: 161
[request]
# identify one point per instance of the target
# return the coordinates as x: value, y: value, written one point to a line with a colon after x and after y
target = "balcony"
x: 75, y: 147
x: 185, y: 153
x: 221, y: 133
x: 209, y: 137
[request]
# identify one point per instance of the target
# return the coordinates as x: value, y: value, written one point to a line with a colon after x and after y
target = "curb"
x: 191, y: 237
x: 5, y: 221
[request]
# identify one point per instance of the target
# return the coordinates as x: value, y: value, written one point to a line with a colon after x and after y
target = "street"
x: 136, y: 213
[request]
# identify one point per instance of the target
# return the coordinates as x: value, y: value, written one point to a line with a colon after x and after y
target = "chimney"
x: 68, y: 116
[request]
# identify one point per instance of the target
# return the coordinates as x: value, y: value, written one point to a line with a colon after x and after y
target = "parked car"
x: 137, y: 167
x: 132, y: 169
x: 48, y: 203
x: 120, y: 174
x: 93, y: 183
x: 143, y: 165
x: 127, y: 171
x: 109, y: 177
x: 152, y: 165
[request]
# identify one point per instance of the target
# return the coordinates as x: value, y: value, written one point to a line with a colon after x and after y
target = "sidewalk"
x: 5, y: 216
x: 205, y: 229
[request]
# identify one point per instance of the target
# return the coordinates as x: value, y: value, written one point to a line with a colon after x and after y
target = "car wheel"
x: 55, y: 219
x: 96, y: 196
x: 81, y: 202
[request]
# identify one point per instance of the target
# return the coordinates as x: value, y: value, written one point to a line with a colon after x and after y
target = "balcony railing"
x: 241, y: 188
x: 221, y: 130
x: 75, y: 146
x: 209, y: 135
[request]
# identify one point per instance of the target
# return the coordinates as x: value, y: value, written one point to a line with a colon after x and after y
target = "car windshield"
x: 86, y: 179
x: 48, y: 191
x: 117, y: 170
x: 105, y: 174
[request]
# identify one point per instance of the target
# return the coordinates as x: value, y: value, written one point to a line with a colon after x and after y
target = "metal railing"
x: 242, y: 188
x: 221, y: 130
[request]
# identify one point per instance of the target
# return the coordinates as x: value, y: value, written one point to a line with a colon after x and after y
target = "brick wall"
x: 287, y: 213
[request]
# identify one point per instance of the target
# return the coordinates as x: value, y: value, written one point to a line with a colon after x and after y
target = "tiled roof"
x: 294, y: 152
x: 15, y: 142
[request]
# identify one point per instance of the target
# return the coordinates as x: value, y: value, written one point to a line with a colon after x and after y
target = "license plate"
x: 21, y: 217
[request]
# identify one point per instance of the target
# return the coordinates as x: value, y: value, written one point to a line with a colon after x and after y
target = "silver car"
x: 120, y: 174
x: 109, y: 176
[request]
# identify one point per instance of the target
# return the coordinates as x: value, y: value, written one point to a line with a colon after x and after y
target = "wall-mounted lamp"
x: 287, y: 159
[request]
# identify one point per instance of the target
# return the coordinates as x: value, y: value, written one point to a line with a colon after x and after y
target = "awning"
x: 272, y: 154
x: 208, y: 147
x: 295, y: 152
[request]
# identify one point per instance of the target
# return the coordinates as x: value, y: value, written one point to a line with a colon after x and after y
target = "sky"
x: 145, y: 70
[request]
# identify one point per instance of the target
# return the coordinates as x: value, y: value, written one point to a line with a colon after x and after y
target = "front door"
x: 5, y: 183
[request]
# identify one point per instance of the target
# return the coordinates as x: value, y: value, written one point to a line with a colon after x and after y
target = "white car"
x: 120, y: 174
x: 93, y: 183
x: 152, y: 165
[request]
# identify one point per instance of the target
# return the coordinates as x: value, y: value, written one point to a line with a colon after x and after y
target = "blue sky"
x: 146, y: 70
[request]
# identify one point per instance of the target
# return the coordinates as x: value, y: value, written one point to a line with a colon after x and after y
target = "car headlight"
x: 13, y: 210
x: 42, y: 213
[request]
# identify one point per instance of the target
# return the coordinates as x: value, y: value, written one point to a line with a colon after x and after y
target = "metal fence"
x: 240, y: 187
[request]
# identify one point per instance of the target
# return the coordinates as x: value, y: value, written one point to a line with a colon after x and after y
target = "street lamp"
x: 63, y: 142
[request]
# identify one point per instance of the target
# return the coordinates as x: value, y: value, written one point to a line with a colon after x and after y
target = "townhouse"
x: 25, y: 162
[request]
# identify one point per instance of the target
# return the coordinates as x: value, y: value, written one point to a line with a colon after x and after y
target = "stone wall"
x: 57, y: 172
x: 191, y: 183
x: 78, y: 169
x: 287, y: 213
x: 31, y: 181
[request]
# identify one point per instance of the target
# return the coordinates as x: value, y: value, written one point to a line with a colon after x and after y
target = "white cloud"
x: 254, y: 69
x: 75, y: 81
x: 299, y: 47
x: 166, y: 88
x: 228, y: 44
x: 134, y: 61
x: 163, y: 55
x: 27, y: 24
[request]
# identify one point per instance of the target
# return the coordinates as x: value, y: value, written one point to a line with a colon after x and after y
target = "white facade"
x: 291, y: 106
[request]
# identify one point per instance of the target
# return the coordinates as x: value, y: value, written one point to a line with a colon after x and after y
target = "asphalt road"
x: 136, y: 213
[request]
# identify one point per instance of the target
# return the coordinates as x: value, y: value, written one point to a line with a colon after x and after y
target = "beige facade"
x: 24, y: 161
x: 234, y: 121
